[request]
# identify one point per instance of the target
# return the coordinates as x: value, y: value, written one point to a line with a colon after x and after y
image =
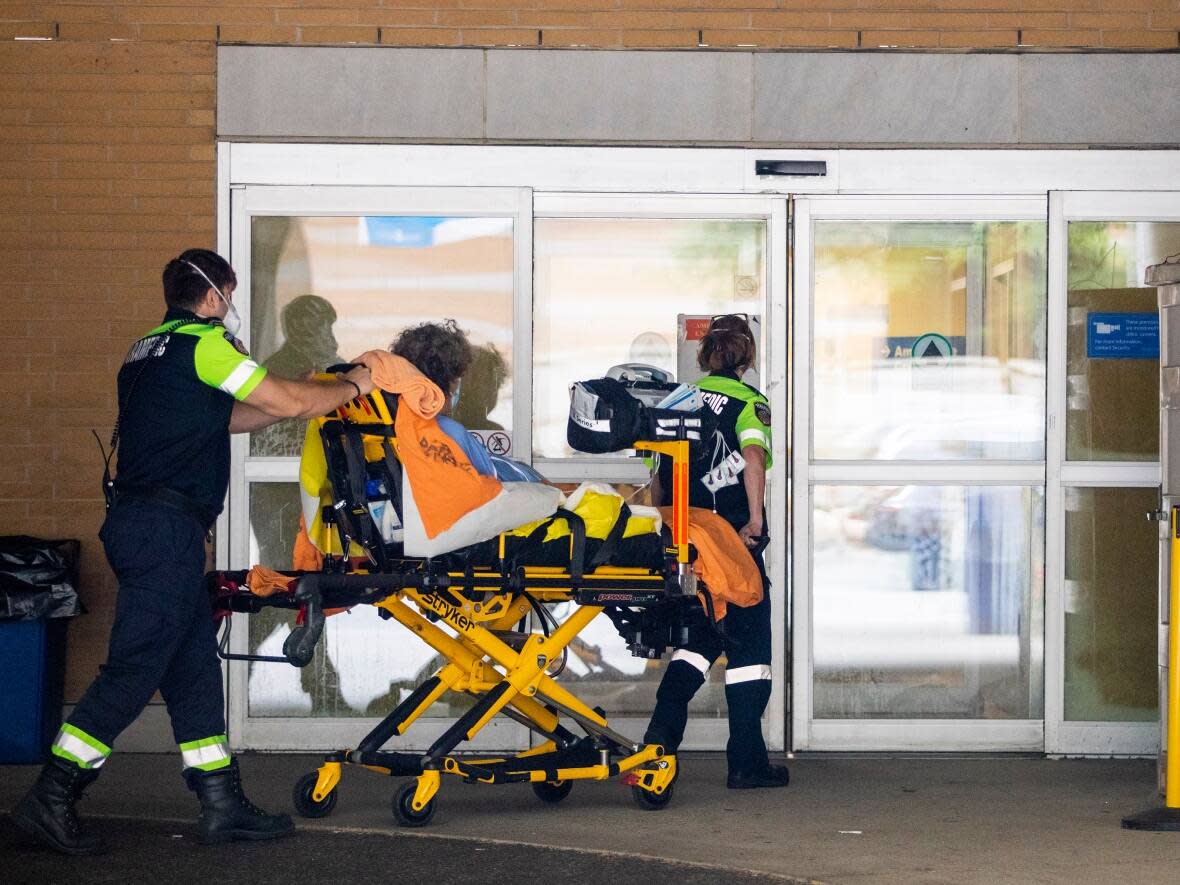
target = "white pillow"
x: 517, y: 504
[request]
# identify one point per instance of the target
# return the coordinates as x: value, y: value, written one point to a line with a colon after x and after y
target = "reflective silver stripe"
x: 78, y: 749
x: 747, y: 674
x: 691, y: 657
x: 238, y: 377
x: 202, y: 756
x: 753, y: 433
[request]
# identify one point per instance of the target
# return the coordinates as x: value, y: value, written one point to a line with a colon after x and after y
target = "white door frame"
x: 1061, y: 736
x: 808, y: 733
x: 711, y: 734
x: 246, y: 202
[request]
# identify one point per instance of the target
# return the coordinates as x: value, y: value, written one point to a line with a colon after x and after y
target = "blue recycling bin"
x: 33, y: 664
x: 38, y: 597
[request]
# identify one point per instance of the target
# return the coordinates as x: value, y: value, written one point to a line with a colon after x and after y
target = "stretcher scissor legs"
x: 505, y: 679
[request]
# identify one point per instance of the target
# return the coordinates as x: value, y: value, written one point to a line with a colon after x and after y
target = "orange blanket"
x: 446, y: 486
x: 398, y: 375
x: 723, y: 562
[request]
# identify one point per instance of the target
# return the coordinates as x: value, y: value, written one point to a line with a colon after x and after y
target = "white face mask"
x: 232, y: 319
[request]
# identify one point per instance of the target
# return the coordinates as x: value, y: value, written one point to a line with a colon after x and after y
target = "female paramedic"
x: 728, y: 476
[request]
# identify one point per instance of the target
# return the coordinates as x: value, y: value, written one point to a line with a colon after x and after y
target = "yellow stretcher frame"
x: 507, y: 680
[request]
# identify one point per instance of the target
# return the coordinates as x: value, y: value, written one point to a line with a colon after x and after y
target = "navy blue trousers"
x: 163, y: 637
x: 745, y: 637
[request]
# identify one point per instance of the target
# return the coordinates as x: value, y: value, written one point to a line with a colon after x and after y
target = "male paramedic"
x: 183, y: 389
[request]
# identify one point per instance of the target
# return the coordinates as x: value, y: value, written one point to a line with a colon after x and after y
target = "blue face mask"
x: 455, y: 395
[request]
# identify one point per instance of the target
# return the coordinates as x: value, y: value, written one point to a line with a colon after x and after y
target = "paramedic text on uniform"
x: 183, y: 389
x: 728, y: 476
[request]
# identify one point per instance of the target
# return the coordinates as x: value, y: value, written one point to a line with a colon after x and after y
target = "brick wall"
x: 106, y: 169
x: 771, y: 24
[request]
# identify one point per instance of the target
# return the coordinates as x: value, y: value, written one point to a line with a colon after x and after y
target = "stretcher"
x: 503, y: 644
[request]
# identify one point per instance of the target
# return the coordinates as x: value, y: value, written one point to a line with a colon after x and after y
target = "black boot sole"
x: 43, y: 837
x: 242, y: 836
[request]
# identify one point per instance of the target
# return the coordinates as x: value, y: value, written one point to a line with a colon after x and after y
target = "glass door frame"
x: 711, y: 734
x: 233, y: 531
x: 808, y: 733
x: 1065, y: 737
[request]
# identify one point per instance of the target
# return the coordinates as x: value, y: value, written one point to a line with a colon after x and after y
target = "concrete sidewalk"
x: 842, y: 820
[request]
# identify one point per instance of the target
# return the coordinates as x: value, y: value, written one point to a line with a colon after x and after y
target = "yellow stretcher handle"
x: 678, y: 452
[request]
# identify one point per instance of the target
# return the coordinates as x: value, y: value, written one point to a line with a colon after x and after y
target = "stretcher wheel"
x: 552, y: 792
x: 649, y: 801
x: 403, y: 807
x: 304, y: 797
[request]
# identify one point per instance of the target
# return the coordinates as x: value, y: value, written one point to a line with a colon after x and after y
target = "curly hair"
x: 727, y: 346
x: 440, y: 351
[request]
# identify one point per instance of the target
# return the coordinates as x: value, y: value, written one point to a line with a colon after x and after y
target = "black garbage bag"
x: 38, y: 578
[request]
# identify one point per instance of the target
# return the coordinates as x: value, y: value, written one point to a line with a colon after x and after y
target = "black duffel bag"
x: 604, y: 417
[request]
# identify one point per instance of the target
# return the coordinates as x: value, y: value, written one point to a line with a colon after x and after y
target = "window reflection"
x: 1111, y: 605
x: 361, y: 666
x: 927, y: 602
x: 929, y: 340
x: 1112, y: 374
x: 323, y: 288
x: 608, y: 291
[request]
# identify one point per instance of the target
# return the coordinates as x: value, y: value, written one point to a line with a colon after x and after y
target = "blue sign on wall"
x: 1123, y: 336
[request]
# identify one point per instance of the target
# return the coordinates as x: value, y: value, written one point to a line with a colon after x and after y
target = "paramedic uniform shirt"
x: 743, y: 419
x: 178, y: 386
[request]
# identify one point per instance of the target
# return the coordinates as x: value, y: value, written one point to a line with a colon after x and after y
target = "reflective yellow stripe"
x: 78, y: 747
x: 206, y: 754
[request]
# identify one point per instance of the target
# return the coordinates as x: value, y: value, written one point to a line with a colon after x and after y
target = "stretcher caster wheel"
x: 649, y: 801
x: 552, y: 792
x: 304, y: 797
x: 403, y: 807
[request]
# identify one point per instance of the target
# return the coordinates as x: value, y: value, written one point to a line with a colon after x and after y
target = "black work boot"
x: 226, y: 814
x: 47, y: 812
x: 770, y: 776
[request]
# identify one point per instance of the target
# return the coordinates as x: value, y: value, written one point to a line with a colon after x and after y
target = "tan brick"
x: 92, y: 31
x: 500, y: 37
x: 947, y: 21
x: 236, y: 15
x: 787, y: 20
x: 362, y: 34
x: 900, y: 39
x: 301, y: 16
x: 581, y: 37
x: 476, y: 18
x: 420, y: 36
x: 1167, y: 20
x: 1109, y: 20
x: 1141, y: 39
x: 1028, y: 20
x: 977, y: 39
x: 649, y: 39
x: 819, y: 39
x: 746, y: 37
x: 866, y: 20
x: 655, y: 20
x: 401, y: 18
x: 27, y: 30
x: 179, y: 33
x: 141, y: 13
x: 258, y: 34
x: 1062, y: 38
x: 576, y: 5
x: 748, y: 4
x: 544, y: 18
x: 176, y: 117
x: 810, y: 5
